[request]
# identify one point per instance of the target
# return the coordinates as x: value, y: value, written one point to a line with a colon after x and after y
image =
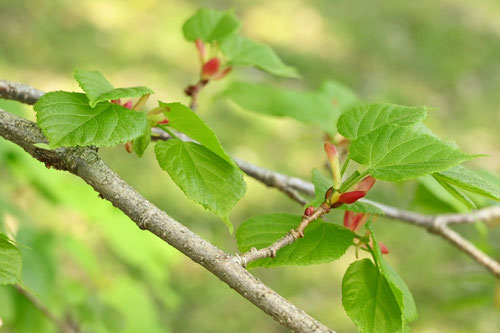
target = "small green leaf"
x: 310, y: 107
x: 202, y: 175
x: 10, y: 262
x: 188, y: 122
x: 456, y: 193
x: 470, y: 181
x: 142, y: 142
x: 398, y: 286
x: 323, y: 183
x: 245, y: 52
x: 399, y: 153
x: 368, y: 299
x: 67, y: 120
x: 322, y: 242
x: 363, y: 119
x: 210, y: 25
x: 437, y: 196
x: 98, y: 89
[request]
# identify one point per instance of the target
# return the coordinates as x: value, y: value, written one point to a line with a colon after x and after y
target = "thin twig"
x: 63, y: 325
x: 289, y: 238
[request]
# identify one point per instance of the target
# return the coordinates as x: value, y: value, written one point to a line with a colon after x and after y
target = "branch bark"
x: 86, y: 164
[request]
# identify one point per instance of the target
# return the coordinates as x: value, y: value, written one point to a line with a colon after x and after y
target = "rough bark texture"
x: 86, y: 164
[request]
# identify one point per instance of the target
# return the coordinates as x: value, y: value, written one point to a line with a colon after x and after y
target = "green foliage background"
x: 83, y: 257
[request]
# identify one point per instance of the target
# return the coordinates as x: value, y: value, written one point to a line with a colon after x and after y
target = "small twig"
x: 19, y: 92
x: 63, y: 325
x: 294, y: 234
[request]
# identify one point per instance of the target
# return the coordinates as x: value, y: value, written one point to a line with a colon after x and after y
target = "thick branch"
x: 86, y: 164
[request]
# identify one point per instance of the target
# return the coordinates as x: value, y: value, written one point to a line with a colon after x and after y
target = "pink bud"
x: 383, y: 248
x: 333, y: 157
x: 116, y: 101
x: 351, y: 197
x: 128, y: 105
x: 210, y: 67
x: 222, y: 74
x: 354, y: 221
x: 309, y: 211
x: 201, y: 48
x: 364, y: 185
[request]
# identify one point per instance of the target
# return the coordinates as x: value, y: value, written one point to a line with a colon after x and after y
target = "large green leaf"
x: 67, y: 120
x: 185, y: 120
x: 470, y: 181
x: 98, y: 89
x: 438, y: 195
x: 368, y: 299
x: 398, y: 286
x: 245, y: 52
x: 398, y: 153
x: 202, y: 175
x: 322, y: 242
x: 10, y: 262
x: 363, y: 119
x: 210, y: 25
x: 310, y: 107
x: 323, y: 183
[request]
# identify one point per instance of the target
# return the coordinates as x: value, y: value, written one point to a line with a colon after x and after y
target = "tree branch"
x: 64, y: 326
x: 86, y: 164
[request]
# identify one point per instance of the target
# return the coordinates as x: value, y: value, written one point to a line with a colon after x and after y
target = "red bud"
x: 354, y: 221
x: 351, y: 197
x: 210, y: 68
x: 163, y: 121
x: 128, y: 105
x: 116, y: 101
x: 333, y: 157
x: 309, y: 211
x: 383, y: 248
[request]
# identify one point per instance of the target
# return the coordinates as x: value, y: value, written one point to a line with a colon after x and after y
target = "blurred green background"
x: 441, y: 53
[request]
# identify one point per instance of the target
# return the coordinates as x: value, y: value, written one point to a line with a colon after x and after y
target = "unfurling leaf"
x: 210, y: 25
x: 98, y: 89
x: 245, y: 52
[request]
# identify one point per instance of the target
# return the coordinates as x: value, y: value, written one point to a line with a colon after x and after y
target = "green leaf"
x: 142, y: 142
x: 245, y: 52
x: 10, y: 262
x: 470, y: 181
x: 98, y: 89
x: 399, y: 153
x: 363, y: 119
x: 322, y: 242
x: 323, y: 183
x: 202, y: 175
x: 398, y: 286
x: 438, y: 195
x: 188, y: 122
x: 67, y: 120
x: 368, y: 299
x: 310, y: 107
x: 210, y: 25
x: 457, y: 194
